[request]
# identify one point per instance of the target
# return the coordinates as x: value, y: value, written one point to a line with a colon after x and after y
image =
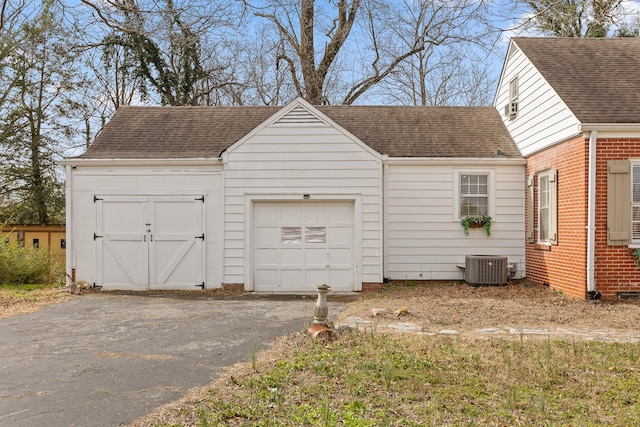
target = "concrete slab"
x: 104, y: 360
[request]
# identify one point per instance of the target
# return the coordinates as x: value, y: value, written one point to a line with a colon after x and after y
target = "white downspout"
x: 591, y: 214
x: 71, y: 247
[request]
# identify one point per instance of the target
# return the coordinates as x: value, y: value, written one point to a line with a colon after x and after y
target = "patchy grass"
x: 369, y: 379
x: 19, y: 299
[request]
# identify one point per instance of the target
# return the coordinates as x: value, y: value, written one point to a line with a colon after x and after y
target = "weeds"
x: 367, y: 379
x: 21, y: 265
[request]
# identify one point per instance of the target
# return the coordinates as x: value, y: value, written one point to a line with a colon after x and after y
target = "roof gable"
x: 396, y: 131
x: 596, y: 78
x: 299, y: 113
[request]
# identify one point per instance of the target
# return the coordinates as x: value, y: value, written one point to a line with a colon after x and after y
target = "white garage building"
x: 281, y: 199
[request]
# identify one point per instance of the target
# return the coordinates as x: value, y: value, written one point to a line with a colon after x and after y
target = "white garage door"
x: 149, y: 242
x: 298, y: 246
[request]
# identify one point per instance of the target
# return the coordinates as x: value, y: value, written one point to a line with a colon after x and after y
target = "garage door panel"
x: 290, y: 280
x: 292, y: 256
x: 341, y: 256
x: 120, y: 243
x: 149, y: 242
x: 340, y: 279
x: 175, y: 247
x: 311, y: 240
x: 290, y: 214
x: 267, y: 236
x: 177, y: 267
x: 316, y: 257
x: 122, y: 261
x: 315, y: 213
x: 317, y: 277
x: 265, y: 258
x: 263, y: 212
x: 340, y: 235
x: 338, y: 212
x: 270, y: 277
x: 179, y: 215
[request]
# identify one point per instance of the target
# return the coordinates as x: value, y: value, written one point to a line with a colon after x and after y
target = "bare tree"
x: 337, y: 51
x: 578, y: 18
x: 171, y: 45
x: 452, y: 69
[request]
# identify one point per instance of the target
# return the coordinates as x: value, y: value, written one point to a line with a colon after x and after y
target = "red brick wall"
x: 615, y: 267
x: 563, y: 266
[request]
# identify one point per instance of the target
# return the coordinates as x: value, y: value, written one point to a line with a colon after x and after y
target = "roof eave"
x: 76, y: 161
x: 618, y: 127
x: 475, y: 161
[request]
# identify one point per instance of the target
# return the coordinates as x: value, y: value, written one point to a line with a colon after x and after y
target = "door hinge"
x: 200, y: 286
x: 200, y: 237
x: 95, y: 236
x: 201, y: 198
x: 96, y: 198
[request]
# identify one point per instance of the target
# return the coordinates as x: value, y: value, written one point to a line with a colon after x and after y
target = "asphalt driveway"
x: 104, y: 360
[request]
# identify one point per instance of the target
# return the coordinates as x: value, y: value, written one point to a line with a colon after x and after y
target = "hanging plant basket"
x: 476, y: 222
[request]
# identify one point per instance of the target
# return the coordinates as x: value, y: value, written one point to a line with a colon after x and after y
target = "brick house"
x: 572, y: 107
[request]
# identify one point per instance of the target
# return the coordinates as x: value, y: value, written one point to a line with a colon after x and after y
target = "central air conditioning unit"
x: 511, y: 109
x: 486, y: 270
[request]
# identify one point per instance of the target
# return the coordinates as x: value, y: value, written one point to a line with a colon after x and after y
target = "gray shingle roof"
x: 598, y: 79
x: 205, y: 132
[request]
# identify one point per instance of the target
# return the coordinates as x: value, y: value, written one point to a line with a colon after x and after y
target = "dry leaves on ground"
x: 29, y: 302
x: 463, y: 308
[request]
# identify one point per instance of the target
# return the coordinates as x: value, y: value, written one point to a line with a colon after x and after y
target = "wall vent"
x: 299, y: 116
x: 628, y: 295
x: 486, y: 270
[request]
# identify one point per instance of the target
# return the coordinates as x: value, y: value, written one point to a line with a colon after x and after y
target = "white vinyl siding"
x: 424, y: 237
x: 288, y: 160
x: 543, y: 118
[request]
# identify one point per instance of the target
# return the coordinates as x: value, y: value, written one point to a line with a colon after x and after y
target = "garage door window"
x: 291, y: 235
x: 315, y: 234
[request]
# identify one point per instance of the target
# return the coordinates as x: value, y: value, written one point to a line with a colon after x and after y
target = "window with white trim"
x: 474, y: 194
x: 544, y: 211
x: 547, y: 207
x: 514, y: 90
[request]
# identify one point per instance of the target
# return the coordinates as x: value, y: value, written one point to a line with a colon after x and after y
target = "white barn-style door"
x: 149, y: 242
x: 297, y: 246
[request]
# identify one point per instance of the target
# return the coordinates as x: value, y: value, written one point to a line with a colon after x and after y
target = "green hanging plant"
x: 476, y: 222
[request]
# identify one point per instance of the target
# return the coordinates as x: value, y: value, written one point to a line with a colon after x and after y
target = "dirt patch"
x: 13, y: 303
x: 461, y: 307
